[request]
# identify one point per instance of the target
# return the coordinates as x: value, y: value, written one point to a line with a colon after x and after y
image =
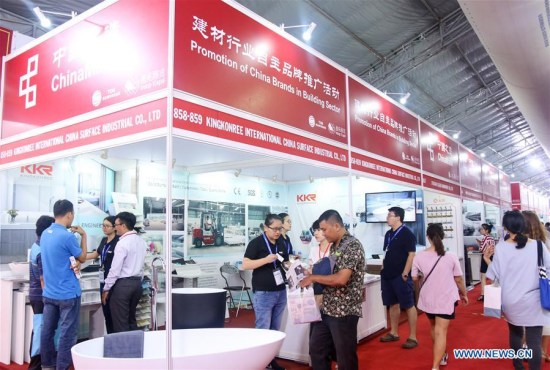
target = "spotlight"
x: 307, y: 34
x: 104, y: 154
x: 237, y: 172
x: 311, y: 179
x: 404, y: 99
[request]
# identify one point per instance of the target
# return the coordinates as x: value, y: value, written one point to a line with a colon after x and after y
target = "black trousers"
x: 334, y: 334
x: 36, y: 361
x: 533, y: 338
x: 123, y: 300
x: 106, y: 311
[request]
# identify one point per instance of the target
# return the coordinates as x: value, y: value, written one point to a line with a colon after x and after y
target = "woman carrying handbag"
x: 438, y: 293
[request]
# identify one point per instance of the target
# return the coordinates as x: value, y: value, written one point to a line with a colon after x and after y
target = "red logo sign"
x: 40, y: 169
x: 306, y: 198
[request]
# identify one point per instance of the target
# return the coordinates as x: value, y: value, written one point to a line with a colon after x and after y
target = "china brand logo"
x: 40, y: 169
x: 25, y: 87
x: 306, y: 198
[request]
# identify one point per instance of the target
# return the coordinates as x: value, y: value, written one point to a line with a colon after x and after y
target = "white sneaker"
x: 444, y: 359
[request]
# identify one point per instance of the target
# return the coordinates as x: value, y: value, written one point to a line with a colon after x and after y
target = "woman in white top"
x: 321, y: 250
x: 536, y: 231
x: 515, y: 266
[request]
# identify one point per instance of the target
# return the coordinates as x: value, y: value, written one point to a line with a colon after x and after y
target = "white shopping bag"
x: 492, y: 303
x: 302, y: 308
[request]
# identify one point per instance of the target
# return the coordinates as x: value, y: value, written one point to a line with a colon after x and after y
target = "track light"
x: 404, y: 96
x: 311, y: 179
x: 274, y: 178
x: 237, y: 172
x: 45, y: 21
x: 104, y: 154
x: 307, y: 33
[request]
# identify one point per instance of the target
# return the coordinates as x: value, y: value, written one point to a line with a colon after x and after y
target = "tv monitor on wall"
x: 377, y: 205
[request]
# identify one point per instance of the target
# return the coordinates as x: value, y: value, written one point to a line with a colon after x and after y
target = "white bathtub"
x: 193, y: 349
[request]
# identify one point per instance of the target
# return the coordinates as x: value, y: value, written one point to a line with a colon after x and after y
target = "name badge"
x: 101, y: 275
x: 280, y: 258
x: 278, y: 277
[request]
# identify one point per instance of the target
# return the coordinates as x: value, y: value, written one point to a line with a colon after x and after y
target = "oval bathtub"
x: 193, y: 349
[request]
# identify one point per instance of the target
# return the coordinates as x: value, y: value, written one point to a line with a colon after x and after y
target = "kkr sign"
x: 306, y: 198
x: 40, y: 169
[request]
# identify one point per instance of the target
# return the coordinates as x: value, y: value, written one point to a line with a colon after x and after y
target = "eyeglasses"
x: 117, y: 224
x: 106, y: 226
x: 276, y: 229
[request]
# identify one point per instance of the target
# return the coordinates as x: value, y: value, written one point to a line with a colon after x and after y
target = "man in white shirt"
x: 122, y: 289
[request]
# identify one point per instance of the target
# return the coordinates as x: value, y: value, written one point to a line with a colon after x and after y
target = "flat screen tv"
x: 377, y: 205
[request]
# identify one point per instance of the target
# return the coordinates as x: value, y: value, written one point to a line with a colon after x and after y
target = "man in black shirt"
x: 397, y: 285
x: 265, y: 255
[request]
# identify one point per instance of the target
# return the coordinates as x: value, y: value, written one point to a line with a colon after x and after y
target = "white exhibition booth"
x: 212, y: 132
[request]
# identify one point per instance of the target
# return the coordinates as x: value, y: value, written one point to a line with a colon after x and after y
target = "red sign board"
x: 515, y: 191
x: 470, y: 169
x: 439, y: 153
x: 225, y: 56
x: 380, y: 168
x: 504, y: 184
x: 196, y: 118
x: 116, y: 54
x: 127, y: 122
x: 489, y: 178
x: 444, y: 186
x: 471, y: 194
x: 381, y: 127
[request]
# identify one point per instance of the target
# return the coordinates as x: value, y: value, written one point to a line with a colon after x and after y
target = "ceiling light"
x: 104, y: 154
x: 237, y: 172
x: 311, y: 179
x: 513, y: 175
x: 45, y: 21
x: 482, y: 154
x: 535, y: 162
x: 500, y: 167
x: 307, y: 33
x: 404, y: 96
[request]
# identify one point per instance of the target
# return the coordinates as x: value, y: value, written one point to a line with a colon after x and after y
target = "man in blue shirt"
x: 62, y: 288
x: 396, y: 281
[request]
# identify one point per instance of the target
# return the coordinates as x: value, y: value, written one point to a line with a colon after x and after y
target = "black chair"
x: 232, y: 273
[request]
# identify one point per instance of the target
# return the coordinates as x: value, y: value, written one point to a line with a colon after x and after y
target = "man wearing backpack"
x: 342, y: 297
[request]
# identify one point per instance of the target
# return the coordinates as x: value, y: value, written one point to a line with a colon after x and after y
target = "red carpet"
x: 470, y: 329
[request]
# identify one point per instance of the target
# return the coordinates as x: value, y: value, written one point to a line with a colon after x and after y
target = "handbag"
x: 544, y: 283
x: 417, y: 293
x: 325, y: 266
x: 302, y: 307
x: 492, y: 300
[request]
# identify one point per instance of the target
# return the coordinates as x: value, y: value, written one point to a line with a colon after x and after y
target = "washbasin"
x: 192, y: 349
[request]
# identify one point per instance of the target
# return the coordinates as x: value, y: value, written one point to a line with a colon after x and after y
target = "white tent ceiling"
x: 426, y: 47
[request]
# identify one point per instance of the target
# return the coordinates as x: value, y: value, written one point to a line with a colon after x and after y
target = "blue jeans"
x: 67, y: 313
x: 268, y: 308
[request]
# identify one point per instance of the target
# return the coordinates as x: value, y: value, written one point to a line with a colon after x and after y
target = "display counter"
x: 475, y: 263
x: 296, y: 344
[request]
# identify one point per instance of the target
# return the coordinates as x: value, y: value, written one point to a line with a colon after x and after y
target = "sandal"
x: 410, y: 343
x: 481, y: 298
x: 389, y: 338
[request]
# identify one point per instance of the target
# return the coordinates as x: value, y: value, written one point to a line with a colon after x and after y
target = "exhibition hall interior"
x: 201, y: 118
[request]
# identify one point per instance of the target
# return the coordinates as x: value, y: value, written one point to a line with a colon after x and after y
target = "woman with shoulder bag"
x: 515, y: 266
x: 438, y: 294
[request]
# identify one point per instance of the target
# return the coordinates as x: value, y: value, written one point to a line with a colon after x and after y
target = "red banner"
x: 436, y: 184
x: 470, y: 169
x: 376, y: 167
x: 196, y: 118
x: 5, y: 45
x: 439, y: 153
x: 504, y: 184
x: 515, y: 191
x: 489, y: 178
x: 470, y: 194
x: 381, y: 127
x: 114, y: 55
x: 127, y: 122
x: 490, y: 199
x: 224, y: 55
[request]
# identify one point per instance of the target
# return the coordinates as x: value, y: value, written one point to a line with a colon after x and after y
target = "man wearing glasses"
x: 265, y: 255
x: 123, y: 284
x: 396, y: 281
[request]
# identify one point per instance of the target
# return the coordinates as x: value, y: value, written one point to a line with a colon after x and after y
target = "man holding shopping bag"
x: 342, y: 297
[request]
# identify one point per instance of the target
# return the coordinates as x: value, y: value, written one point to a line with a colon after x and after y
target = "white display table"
x: 296, y: 344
